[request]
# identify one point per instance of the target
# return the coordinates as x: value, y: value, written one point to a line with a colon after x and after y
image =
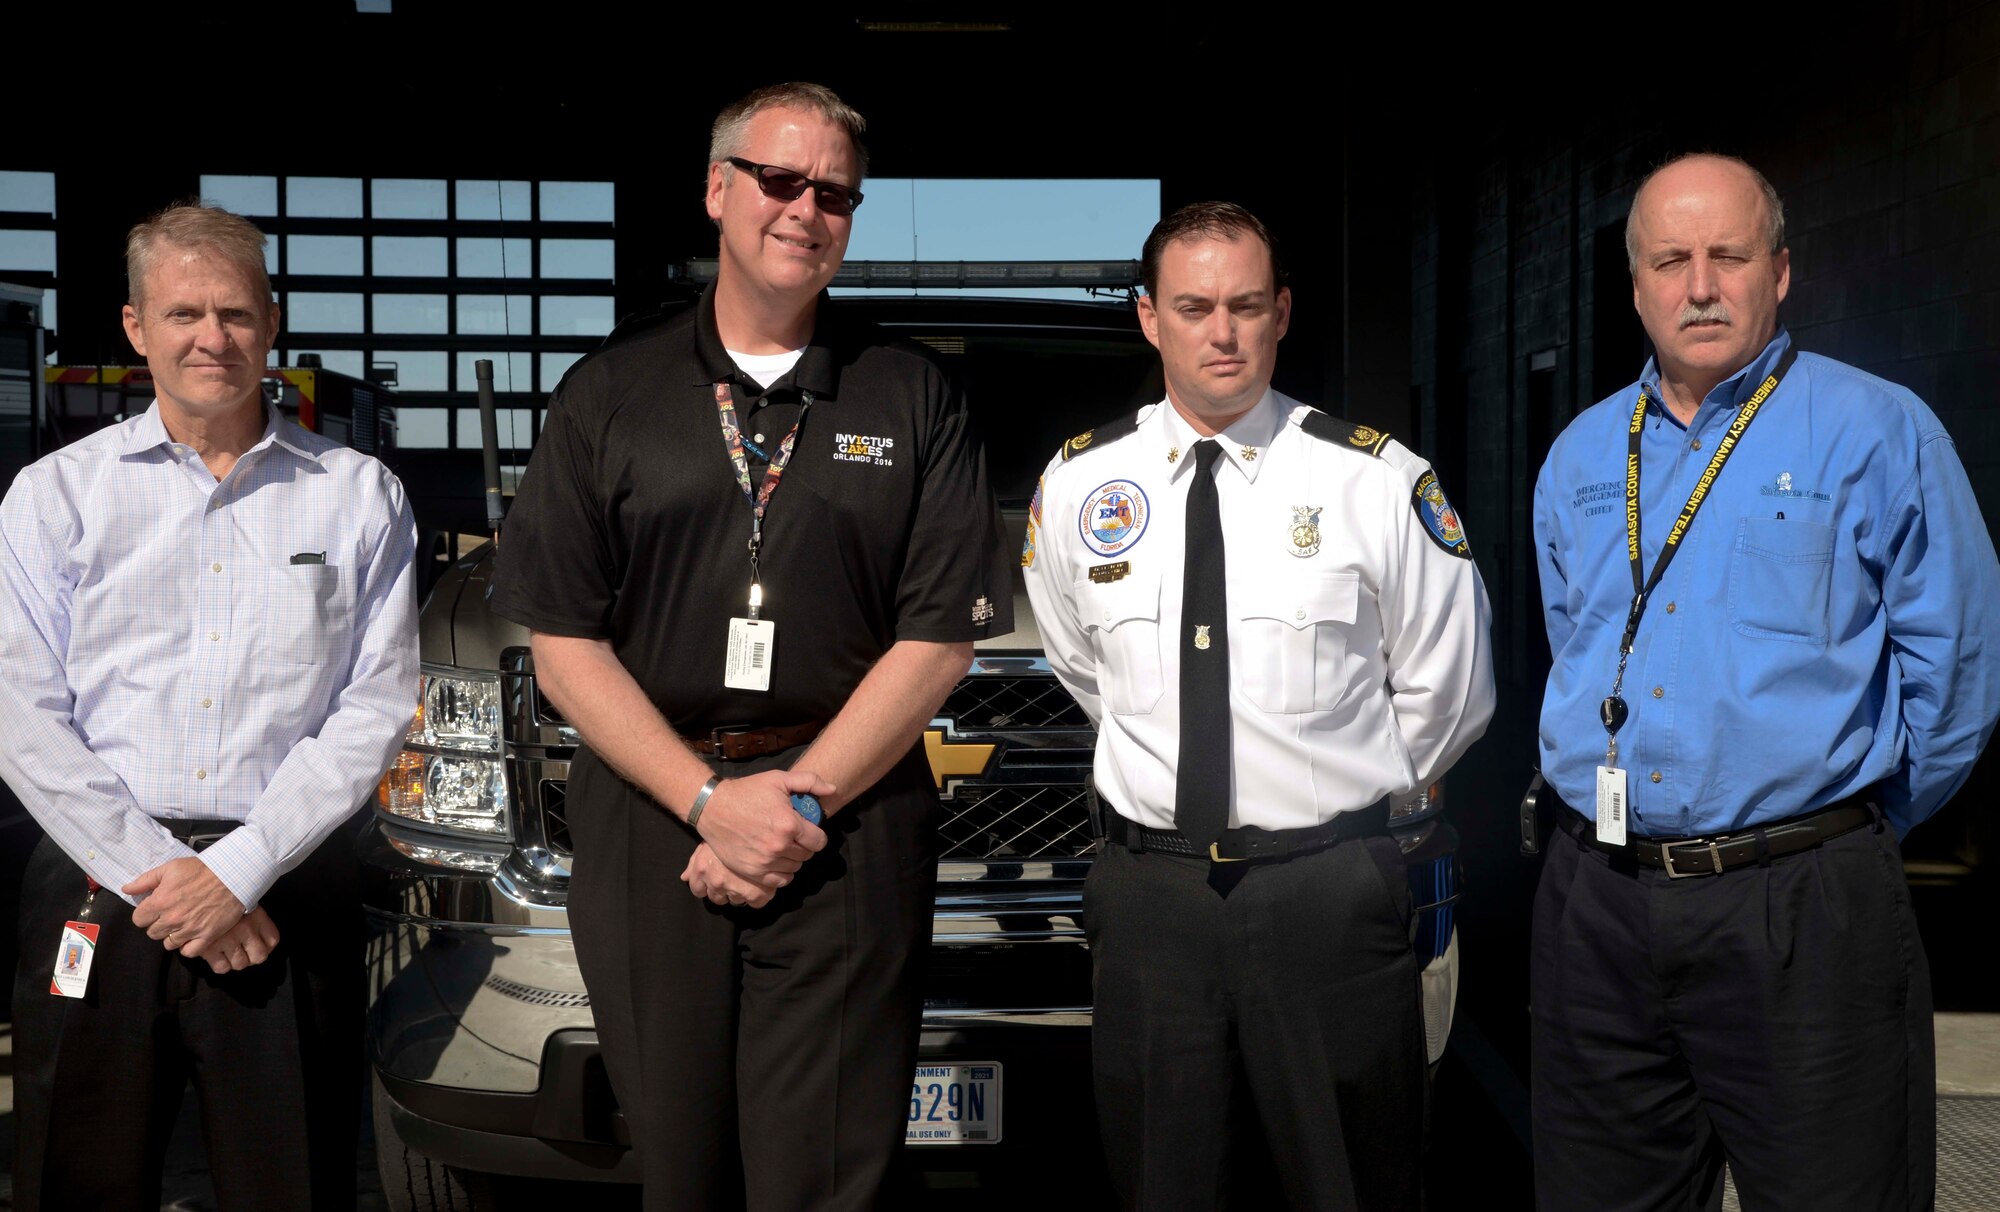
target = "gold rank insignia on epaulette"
x: 1110, y: 431
x: 1332, y: 429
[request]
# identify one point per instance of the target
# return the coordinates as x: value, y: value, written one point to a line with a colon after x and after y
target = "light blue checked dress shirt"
x: 1828, y: 626
x: 162, y: 657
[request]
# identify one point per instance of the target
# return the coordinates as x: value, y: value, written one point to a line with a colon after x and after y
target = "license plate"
x: 956, y: 1104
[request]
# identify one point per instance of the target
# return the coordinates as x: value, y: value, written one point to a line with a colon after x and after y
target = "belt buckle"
x: 720, y: 738
x: 1215, y: 855
x: 1667, y: 859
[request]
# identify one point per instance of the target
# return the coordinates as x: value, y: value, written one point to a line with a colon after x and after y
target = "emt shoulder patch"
x: 1034, y: 524
x: 1439, y: 518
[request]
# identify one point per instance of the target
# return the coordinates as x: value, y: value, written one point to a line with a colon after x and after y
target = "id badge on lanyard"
x: 753, y: 640
x: 1612, y: 802
x: 76, y: 950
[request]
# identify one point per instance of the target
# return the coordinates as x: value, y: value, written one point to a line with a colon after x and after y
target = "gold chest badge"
x: 1305, y: 530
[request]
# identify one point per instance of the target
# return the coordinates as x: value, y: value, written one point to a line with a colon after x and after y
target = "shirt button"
x: 756, y: 437
x: 202, y: 774
x: 1695, y: 445
x: 1670, y: 607
x: 1656, y: 776
x: 215, y: 568
x: 1302, y: 614
x: 214, y: 636
x: 207, y: 703
x: 1107, y: 616
x: 90, y: 854
x: 1659, y: 692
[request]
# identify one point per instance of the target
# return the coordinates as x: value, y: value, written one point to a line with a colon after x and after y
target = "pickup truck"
x: 480, y: 1028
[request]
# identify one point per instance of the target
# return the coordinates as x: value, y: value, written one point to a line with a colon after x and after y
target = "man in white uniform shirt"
x: 207, y: 658
x: 1274, y: 620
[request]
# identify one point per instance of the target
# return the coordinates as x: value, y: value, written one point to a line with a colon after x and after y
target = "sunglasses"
x: 785, y: 185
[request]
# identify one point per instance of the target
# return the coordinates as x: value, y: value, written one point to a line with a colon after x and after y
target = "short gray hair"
x: 732, y: 125
x: 192, y: 225
x: 1774, y: 209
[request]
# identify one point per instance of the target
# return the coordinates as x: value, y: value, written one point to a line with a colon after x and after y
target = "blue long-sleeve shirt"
x: 1828, y: 624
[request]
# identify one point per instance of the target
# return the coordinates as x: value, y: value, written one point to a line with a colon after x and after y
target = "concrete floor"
x: 1968, y: 1048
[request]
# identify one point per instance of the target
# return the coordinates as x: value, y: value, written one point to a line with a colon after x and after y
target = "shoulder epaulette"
x: 1108, y: 432
x: 1328, y: 428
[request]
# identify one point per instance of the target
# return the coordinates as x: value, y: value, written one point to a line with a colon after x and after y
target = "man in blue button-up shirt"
x: 1808, y: 678
x: 207, y: 658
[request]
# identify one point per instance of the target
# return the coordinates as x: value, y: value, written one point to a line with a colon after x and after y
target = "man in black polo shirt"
x: 761, y: 532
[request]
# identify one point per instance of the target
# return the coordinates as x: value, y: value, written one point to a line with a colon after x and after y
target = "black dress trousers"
x: 1294, y: 979
x: 762, y: 1057
x: 1778, y: 1017
x: 275, y: 1051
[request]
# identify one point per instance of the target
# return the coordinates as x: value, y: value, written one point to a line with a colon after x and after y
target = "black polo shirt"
x: 630, y: 526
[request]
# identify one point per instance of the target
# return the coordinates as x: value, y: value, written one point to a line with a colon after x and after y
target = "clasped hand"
x: 189, y: 909
x: 753, y: 843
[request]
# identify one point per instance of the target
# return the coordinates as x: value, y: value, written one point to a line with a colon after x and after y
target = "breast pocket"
x: 1294, y: 645
x: 1780, y: 577
x: 302, y: 615
x: 1123, y: 617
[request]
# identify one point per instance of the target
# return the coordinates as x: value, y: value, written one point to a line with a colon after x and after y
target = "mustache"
x: 1702, y: 313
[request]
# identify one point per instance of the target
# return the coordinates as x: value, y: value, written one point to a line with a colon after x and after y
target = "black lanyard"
x: 1612, y: 711
x: 760, y: 500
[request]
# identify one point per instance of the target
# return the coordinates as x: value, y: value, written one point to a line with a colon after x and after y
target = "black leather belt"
x: 739, y: 744
x: 1683, y: 857
x: 1248, y: 844
x: 198, y: 833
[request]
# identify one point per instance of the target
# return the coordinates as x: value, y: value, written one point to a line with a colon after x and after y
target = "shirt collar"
x: 1244, y: 443
x: 149, y: 433
x: 1732, y: 391
x: 818, y: 368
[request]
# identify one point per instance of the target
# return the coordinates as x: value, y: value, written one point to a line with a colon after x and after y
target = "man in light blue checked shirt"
x: 207, y: 658
x: 1772, y: 606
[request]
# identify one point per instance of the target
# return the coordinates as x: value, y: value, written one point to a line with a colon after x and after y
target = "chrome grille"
x: 1003, y: 702
x: 555, y: 816
x: 1021, y: 822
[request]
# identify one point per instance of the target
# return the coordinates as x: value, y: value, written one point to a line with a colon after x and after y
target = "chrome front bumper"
x: 481, y: 1028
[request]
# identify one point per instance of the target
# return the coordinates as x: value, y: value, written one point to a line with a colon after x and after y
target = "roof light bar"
x: 907, y: 275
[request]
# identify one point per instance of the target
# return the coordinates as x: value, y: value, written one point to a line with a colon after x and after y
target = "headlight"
x: 459, y: 713
x: 450, y: 775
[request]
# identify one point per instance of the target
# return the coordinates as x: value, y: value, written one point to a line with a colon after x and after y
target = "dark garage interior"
x: 1450, y: 193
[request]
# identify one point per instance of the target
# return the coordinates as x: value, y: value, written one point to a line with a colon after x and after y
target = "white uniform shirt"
x: 1357, y: 669
x: 162, y: 656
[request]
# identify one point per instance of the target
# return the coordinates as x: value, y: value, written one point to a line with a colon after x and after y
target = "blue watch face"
x: 808, y: 807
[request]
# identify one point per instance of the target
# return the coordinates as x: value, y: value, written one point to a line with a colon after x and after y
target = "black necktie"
x: 1201, y: 790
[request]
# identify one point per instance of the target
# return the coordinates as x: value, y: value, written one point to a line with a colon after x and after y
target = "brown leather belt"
x: 741, y: 744
x: 1682, y: 858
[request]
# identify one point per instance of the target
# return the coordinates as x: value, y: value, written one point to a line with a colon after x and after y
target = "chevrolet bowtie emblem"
x: 955, y: 759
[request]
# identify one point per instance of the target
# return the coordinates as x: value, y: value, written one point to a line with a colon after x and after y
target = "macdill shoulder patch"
x: 1439, y: 518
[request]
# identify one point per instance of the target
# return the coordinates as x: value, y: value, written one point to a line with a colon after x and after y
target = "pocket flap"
x: 1106, y: 606
x: 1786, y: 542
x: 1328, y: 598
